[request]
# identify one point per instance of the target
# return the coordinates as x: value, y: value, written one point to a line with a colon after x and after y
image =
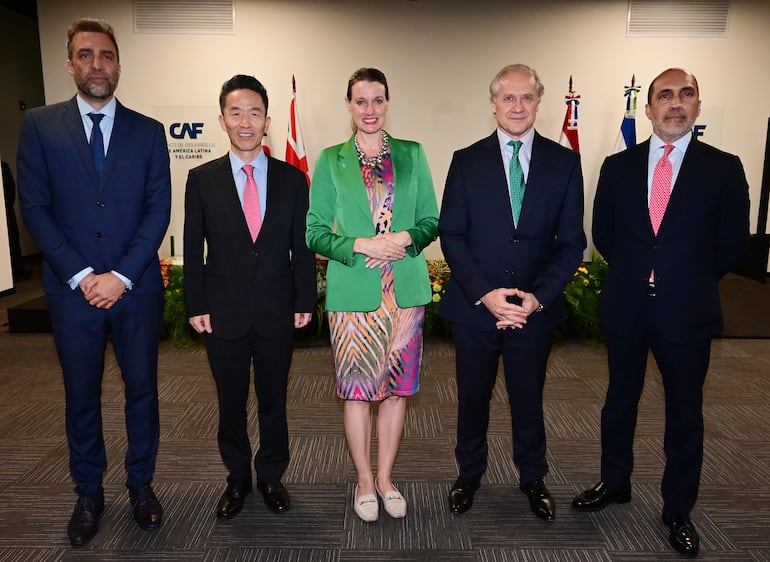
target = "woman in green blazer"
x: 372, y: 212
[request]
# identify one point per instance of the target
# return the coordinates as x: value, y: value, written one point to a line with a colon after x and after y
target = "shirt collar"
x: 680, y: 144
x: 526, y: 140
x: 259, y: 163
x: 108, y: 110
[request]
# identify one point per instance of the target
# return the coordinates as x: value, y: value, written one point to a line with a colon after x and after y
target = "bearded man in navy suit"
x: 662, y: 292
x: 511, y: 229
x: 95, y: 193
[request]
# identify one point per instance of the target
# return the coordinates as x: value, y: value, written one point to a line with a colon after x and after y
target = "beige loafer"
x: 366, y: 507
x: 393, y: 502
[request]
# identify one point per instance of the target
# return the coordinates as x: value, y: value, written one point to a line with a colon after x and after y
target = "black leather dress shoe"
x: 681, y: 533
x: 231, y: 502
x: 148, y: 513
x: 275, y: 495
x: 461, y: 495
x: 85, y: 519
x: 600, y: 496
x: 540, y: 500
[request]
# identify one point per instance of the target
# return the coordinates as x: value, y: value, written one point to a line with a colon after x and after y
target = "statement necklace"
x: 374, y: 160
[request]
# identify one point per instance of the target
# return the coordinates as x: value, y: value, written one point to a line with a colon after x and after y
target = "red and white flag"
x: 266, y: 145
x: 295, y: 147
x: 569, y: 131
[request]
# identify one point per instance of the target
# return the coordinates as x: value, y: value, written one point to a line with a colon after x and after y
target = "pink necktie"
x: 661, y: 188
x: 251, y: 206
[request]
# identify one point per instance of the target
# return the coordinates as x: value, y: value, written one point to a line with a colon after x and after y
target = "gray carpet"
x: 733, y: 514
x: 36, y: 494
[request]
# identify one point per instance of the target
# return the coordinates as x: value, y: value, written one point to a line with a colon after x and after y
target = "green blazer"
x: 339, y: 213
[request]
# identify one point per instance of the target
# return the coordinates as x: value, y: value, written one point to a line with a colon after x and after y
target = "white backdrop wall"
x: 439, y: 56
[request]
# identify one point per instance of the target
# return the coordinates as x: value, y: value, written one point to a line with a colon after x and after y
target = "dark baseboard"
x: 29, y: 317
x: 7, y: 292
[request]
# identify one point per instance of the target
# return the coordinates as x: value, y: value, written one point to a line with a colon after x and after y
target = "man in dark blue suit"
x: 665, y: 257
x: 95, y: 194
x: 511, y: 229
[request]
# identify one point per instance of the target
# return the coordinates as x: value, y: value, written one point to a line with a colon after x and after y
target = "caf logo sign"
x: 182, y: 130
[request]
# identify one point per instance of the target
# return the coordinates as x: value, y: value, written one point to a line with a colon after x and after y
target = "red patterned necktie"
x: 661, y: 188
x: 251, y: 206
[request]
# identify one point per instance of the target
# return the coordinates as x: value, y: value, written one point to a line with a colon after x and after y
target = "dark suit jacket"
x: 704, y: 231
x: 486, y: 251
x: 244, y: 284
x: 115, y: 222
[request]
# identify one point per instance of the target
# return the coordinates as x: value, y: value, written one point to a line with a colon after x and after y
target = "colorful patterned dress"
x: 378, y: 354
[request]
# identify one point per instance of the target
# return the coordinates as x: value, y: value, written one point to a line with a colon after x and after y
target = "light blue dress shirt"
x: 105, y: 125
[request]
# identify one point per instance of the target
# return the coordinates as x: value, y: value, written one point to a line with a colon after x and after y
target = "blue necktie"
x: 97, y: 143
x: 516, y: 177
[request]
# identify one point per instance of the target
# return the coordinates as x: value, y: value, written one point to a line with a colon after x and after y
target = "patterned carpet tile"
x: 409, y: 556
x: 319, y: 460
x: 738, y: 421
x: 745, y: 467
x: 319, y: 419
x: 309, y: 389
x: 315, y: 520
x: 192, y: 460
x: 543, y: 555
x: 741, y: 513
x: 424, y: 421
x: 568, y: 421
x: 732, y: 513
x: 131, y: 555
x: 19, y: 457
x: 194, y: 420
x: 501, y: 518
x: 285, y: 554
x: 188, y: 519
x: 40, y: 520
x: 31, y: 554
x: 34, y: 420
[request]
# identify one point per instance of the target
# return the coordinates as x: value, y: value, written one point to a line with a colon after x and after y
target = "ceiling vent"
x: 670, y: 18
x: 199, y: 17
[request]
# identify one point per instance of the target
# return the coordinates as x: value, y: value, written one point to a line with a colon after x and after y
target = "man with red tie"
x: 249, y: 282
x: 671, y: 216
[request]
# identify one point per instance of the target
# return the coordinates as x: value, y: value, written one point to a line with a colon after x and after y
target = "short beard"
x: 97, y: 92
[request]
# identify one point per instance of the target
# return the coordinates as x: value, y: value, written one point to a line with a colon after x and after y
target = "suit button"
x: 100, y: 204
x: 515, y: 240
x: 656, y: 247
x: 509, y: 272
x: 98, y: 234
x: 254, y: 253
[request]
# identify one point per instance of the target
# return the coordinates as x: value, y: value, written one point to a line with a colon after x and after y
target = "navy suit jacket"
x: 484, y: 249
x: 116, y: 222
x: 704, y: 231
x: 244, y: 284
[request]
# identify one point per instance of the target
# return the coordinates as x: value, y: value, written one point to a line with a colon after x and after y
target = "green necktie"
x: 516, y: 176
